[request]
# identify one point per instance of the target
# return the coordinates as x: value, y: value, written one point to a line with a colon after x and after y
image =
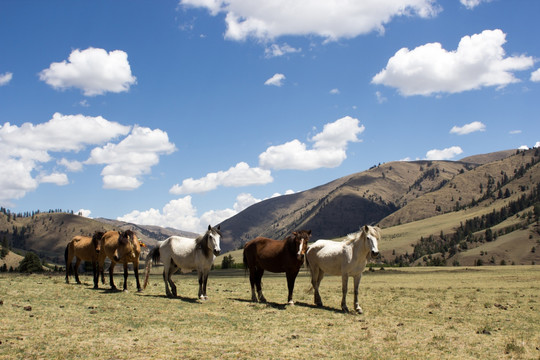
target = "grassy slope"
x: 491, y: 312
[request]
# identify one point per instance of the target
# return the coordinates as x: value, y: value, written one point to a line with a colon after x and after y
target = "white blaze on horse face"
x: 373, y: 245
x: 215, y: 242
x: 301, y: 251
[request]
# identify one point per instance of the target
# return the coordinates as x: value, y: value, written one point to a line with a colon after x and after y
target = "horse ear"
x: 209, y: 227
x: 219, y: 227
x: 309, y: 232
x: 366, y: 228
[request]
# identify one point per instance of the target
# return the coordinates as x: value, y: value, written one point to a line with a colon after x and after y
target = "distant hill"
x: 411, y: 201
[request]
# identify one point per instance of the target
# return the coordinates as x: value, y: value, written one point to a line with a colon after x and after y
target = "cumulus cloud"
x: 329, y: 148
x: 275, y: 50
x: 94, y: 71
x: 479, y: 61
x: 471, y: 4
x: 5, y: 78
x: 25, y: 149
x: 535, y: 75
x: 275, y: 80
x: 468, y: 128
x: 240, y: 175
x: 131, y: 158
x: 334, y: 91
x: 84, y: 212
x: 329, y: 19
x: 444, y: 154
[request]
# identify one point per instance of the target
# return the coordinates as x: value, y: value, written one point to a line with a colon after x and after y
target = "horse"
x: 84, y: 248
x: 121, y: 247
x: 276, y: 256
x: 345, y: 258
x: 186, y: 254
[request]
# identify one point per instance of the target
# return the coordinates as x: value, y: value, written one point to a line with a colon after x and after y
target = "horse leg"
x: 95, y: 274
x: 291, y: 278
x: 111, y: 280
x: 316, y: 279
x: 77, y: 264
x: 258, y: 278
x: 125, y: 276
x: 136, y: 272
x: 203, y: 277
x: 344, y: 283
x: 356, y: 284
x: 252, y: 283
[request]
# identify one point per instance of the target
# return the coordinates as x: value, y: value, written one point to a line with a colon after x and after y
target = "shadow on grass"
x: 163, y: 296
x: 285, y: 306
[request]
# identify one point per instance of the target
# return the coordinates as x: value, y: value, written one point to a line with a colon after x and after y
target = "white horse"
x: 345, y: 258
x: 185, y: 254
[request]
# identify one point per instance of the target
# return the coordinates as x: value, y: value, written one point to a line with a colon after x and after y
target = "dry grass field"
x: 421, y: 313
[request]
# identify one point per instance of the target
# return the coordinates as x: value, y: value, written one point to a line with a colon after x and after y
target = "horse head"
x: 214, y: 236
x: 373, y: 235
x: 299, y: 243
x: 96, y: 240
x: 127, y: 245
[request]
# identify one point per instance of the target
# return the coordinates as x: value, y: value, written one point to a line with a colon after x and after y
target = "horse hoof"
x: 290, y: 303
x: 319, y: 304
x: 125, y: 290
x: 359, y: 310
x: 140, y: 290
x: 345, y: 309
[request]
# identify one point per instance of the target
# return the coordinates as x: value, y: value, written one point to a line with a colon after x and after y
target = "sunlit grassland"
x: 428, y: 313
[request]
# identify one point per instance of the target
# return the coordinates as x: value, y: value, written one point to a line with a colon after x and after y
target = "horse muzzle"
x: 217, y: 252
x: 374, y: 254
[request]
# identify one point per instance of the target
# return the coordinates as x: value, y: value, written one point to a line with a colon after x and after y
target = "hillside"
x: 48, y: 233
x: 414, y: 202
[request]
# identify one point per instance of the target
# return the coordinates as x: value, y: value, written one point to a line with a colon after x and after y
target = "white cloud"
x: 329, y: 148
x: 27, y: 148
x: 444, y: 154
x: 84, y: 212
x: 523, y: 147
x: 537, y: 145
x: 329, y: 19
x: 535, y: 75
x: 94, y: 71
x: 334, y: 91
x: 73, y: 165
x: 514, y: 132
x: 275, y: 80
x: 5, y: 78
x: 470, y: 4
x: 240, y: 175
x: 133, y: 157
x: 380, y: 98
x: 275, y: 50
x: 178, y: 214
x: 468, y: 128
x: 54, y: 178
x: 479, y: 61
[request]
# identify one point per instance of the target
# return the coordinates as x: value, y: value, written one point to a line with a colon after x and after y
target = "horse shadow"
x: 181, y: 298
x: 285, y: 306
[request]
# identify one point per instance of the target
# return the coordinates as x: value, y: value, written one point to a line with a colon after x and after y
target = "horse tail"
x: 153, y: 257
x: 310, y: 289
x: 66, y: 259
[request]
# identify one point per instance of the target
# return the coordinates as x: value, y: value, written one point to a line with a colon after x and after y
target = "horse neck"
x: 202, y: 244
x: 360, y: 251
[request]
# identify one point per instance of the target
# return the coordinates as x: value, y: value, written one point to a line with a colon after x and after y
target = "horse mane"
x: 290, y: 242
x: 126, y: 236
x: 355, y: 236
x: 97, y: 237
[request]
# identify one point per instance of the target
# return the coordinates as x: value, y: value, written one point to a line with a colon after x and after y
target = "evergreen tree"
x: 30, y: 264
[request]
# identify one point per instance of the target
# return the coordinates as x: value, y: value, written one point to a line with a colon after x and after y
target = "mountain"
x: 388, y: 195
x: 419, y: 204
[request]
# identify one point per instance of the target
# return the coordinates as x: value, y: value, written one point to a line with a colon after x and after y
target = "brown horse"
x: 276, y: 256
x: 121, y: 247
x: 84, y: 248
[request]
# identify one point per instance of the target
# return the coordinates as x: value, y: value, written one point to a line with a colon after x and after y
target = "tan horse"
x: 121, y: 247
x: 84, y: 248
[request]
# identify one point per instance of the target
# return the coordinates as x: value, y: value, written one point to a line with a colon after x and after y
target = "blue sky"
x: 183, y: 113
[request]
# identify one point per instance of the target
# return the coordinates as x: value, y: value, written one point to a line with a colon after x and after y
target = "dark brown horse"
x: 121, y: 247
x: 276, y: 256
x: 84, y: 248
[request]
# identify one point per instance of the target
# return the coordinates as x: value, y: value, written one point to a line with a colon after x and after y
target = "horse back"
x: 268, y: 254
x: 82, y: 247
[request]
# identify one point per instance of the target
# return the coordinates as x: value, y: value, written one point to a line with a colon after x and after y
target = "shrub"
x: 30, y: 264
